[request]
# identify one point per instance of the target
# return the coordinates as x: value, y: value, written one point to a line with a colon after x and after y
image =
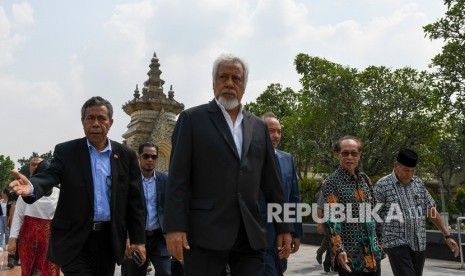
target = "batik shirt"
x: 357, y: 238
x: 413, y: 201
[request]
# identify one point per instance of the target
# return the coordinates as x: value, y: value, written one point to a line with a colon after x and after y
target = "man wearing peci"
x: 285, y: 164
x: 404, y: 237
x: 101, y: 198
x: 221, y: 159
x: 154, y: 183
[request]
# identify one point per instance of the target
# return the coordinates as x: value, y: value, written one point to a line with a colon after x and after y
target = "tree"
x: 459, y: 200
x: 450, y: 75
x: 281, y: 101
x: 6, y: 165
x: 450, y: 63
x: 388, y: 109
x: 24, y: 162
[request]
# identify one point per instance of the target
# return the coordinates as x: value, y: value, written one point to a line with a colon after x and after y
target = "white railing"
x: 459, y: 228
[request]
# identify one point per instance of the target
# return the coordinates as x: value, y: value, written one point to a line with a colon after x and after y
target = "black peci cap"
x: 407, y: 157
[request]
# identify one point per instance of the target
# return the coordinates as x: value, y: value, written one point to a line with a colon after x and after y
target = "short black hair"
x: 96, y: 101
x: 147, y: 145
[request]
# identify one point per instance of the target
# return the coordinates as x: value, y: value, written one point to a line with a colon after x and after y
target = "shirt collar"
x: 107, y: 148
x: 395, y: 180
x: 345, y: 172
x: 154, y: 176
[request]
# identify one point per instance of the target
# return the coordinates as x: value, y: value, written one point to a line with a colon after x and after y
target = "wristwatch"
x: 447, y: 236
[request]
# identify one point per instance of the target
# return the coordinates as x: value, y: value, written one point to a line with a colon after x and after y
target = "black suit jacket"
x: 210, y: 189
x: 160, y: 185
x: 72, y: 223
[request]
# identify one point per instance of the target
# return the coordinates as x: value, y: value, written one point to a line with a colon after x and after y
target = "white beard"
x: 228, y: 104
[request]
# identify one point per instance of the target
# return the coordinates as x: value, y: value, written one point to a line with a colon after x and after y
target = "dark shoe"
x: 11, y: 261
x: 319, y: 256
x: 327, y: 267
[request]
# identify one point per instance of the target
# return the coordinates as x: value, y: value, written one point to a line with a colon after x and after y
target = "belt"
x: 99, y: 225
x: 156, y: 232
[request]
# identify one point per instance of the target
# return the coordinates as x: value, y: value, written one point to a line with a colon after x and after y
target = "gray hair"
x: 230, y: 58
x: 268, y: 115
x: 96, y: 101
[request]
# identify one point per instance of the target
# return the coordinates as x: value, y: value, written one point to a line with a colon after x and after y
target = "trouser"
x: 95, y: 258
x: 157, y: 253
x: 406, y: 262
x: 242, y: 259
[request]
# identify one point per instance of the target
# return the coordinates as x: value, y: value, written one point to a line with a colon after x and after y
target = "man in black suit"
x: 101, y: 198
x: 221, y: 158
x: 154, y: 183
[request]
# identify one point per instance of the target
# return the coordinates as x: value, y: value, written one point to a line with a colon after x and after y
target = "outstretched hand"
x: 20, y: 185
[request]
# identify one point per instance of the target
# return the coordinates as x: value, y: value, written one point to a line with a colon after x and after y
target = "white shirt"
x: 236, y: 128
x: 43, y: 208
x: 3, y: 206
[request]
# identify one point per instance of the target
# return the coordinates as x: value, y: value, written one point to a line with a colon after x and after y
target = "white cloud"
x: 9, y: 41
x: 127, y: 26
x: 23, y: 13
x: 5, y: 25
x: 47, y: 77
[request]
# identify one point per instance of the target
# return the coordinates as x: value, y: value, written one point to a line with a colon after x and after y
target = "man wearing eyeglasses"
x: 154, y: 182
x: 354, y: 240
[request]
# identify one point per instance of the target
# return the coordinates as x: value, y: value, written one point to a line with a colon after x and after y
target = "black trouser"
x: 342, y: 272
x: 406, y: 262
x: 156, y: 252
x: 242, y: 259
x: 96, y: 258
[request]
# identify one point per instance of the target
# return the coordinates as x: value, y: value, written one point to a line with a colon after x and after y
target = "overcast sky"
x: 56, y: 54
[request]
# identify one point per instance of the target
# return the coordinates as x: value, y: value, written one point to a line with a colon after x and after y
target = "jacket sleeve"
x: 137, y: 212
x: 179, y: 180
x: 295, y: 198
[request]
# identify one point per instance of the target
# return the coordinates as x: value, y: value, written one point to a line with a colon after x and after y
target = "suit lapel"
x: 87, y: 169
x: 114, y: 163
x: 247, y: 130
x: 220, y: 123
x: 280, y: 166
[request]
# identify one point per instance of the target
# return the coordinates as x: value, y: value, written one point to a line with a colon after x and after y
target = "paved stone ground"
x: 303, y: 263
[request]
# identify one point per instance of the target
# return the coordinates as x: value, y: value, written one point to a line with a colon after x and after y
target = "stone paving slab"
x: 304, y: 263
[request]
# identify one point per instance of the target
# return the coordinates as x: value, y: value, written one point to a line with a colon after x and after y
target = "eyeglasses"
x: 347, y: 153
x: 146, y: 156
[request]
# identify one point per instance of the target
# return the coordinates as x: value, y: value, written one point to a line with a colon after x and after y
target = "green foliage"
x: 451, y: 207
x: 387, y: 109
x: 309, y: 188
x: 6, y: 165
x: 24, y: 162
x: 450, y: 63
x: 459, y: 200
x: 282, y: 102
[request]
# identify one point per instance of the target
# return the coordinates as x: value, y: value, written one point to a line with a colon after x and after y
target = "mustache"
x: 228, y: 91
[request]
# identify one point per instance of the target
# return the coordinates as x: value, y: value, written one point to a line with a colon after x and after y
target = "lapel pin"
x: 115, y: 156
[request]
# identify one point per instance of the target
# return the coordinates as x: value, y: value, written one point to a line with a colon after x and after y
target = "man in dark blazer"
x: 221, y: 158
x: 101, y: 198
x: 285, y: 163
x: 154, y: 183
